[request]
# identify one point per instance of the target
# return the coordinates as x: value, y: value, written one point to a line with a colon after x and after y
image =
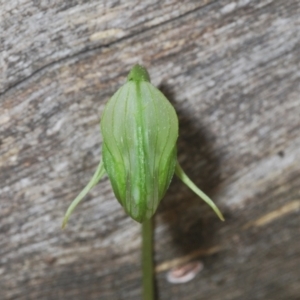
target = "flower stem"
x: 147, y: 260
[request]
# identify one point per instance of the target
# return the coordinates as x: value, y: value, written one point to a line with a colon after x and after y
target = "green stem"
x: 147, y: 260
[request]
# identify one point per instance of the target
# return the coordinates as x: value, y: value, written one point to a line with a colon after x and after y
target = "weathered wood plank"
x: 38, y: 34
x: 231, y: 69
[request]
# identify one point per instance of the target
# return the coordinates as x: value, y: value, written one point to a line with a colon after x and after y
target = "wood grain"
x: 230, y: 68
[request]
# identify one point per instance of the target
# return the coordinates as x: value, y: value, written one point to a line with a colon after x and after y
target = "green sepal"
x: 187, y: 181
x: 139, y: 128
x: 100, y: 172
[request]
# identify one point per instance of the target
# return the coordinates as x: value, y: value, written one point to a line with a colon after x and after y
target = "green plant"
x: 139, y: 155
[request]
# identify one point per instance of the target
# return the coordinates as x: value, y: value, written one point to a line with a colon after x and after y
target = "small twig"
x: 187, y: 258
x: 275, y: 214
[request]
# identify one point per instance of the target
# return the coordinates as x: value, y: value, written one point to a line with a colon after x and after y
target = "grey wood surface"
x: 230, y: 68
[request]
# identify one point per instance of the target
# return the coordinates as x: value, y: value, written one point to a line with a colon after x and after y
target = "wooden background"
x: 230, y: 68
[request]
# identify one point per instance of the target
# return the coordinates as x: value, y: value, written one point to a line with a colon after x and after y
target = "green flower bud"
x: 140, y: 130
